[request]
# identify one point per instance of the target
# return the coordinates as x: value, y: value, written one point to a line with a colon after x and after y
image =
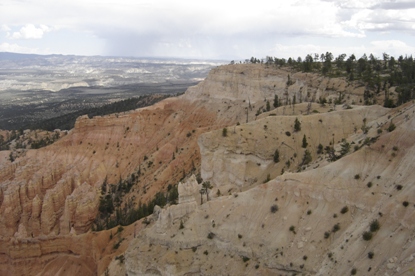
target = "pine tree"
x: 305, y: 144
x: 276, y: 102
x: 297, y: 125
x: 276, y: 156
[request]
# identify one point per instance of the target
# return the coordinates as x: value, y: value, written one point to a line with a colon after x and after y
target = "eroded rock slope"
x: 53, y: 193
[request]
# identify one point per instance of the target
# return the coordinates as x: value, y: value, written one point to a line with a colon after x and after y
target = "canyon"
x: 263, y: 216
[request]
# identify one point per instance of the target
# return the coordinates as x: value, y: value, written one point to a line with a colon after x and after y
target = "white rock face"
x: 165, y: 218
x: 188, y: 190
x: 245, y: 156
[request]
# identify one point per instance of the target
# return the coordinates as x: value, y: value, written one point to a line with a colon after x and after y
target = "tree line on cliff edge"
x: 377, y: 74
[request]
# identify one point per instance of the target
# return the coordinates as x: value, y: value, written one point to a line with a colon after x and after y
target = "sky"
x: 214, y: 29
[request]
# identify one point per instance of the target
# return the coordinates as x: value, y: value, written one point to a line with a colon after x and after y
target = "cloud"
x: 4, y: 28
x: 30, y: 31
x: 395, y: 5
x: 200, y: 29
x: 392, y: 47
x: 15, y: 48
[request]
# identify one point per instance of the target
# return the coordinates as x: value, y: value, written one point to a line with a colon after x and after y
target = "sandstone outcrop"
x: 49, y: 197
x: 166, y: 218
x: 297, y: 222
x: 245, y: 156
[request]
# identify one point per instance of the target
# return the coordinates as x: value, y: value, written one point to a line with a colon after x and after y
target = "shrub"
x: 245, y: 259
x: 205, y: 252
x: 336, y: 228
x: 277, y: 156
x: 239, y: 236
x: 326, y: 235
x: 305, y: 257
x: 309, y: 212
x: 344, y: 210
x: 370, y: 255
x: 369, y: 184
x: 374, y: 226
x: 306, y: 158
x: 405, y: 203
x: 319, y: 149
x: 357, y: 176
x: 288, y: 133
x: 211, y: 235
x: 292, y: 229
x: 354, y: 271
x: 268, y: 178
x: 367, y: 236
x: 120, y: 258
x: 117, y: 245
x: 181, y: 225
x: 274, y: 208
x: 297, y: 125
x: 224, y: 132
x: 399, y: 187
x: 391, y: 127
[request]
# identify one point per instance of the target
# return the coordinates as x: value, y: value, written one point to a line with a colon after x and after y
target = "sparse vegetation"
x: 320, y: 149
x: 245, y: 259
x: 304, y: 144
x: 111, y: 213
x: 120, y: 258
x: 306, y: 158
x: 344, y: 210
x: 391, y: 127
x: 336, y: 228
x: 277, y: 156
x: 297, y: 125
x: 367, y: 235
x: 374, y: 226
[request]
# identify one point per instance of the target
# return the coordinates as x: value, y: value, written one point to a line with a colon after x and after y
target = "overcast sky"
x: 214, y: 29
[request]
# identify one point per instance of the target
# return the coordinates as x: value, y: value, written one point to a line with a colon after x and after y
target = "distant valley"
x: 34, y: 88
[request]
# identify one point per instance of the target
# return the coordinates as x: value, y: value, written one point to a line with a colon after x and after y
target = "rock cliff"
x: 312, y: 222
x: 49, y: 197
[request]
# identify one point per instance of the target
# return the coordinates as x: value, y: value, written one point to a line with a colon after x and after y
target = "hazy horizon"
x: 218, y: 30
